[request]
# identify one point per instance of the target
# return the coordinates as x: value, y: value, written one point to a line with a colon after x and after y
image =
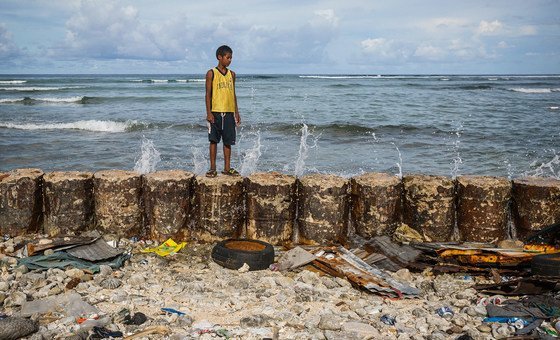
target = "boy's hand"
x: 237, y: 119
x: 210, y: 118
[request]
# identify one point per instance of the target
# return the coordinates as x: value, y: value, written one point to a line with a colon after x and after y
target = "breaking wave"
x: 29, y: 100
x: 534, y: 90
x: 33, y: 89
x: 13, y: 81
x: 86, y: 125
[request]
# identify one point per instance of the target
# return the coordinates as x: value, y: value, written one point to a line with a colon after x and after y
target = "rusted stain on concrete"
x: 21, y: 202
x: 167, y: 196
x: 322, y: 208
x: 482, y: 208
x: 270, y: 207
x: 68, y: 202
x: 218, y: 208
x: 536, y: 204
x: 429, y: 205
x: 118, y: 202
x: 376, y: 204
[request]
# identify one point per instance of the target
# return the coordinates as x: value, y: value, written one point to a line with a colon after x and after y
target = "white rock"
x: 360, y: 328
x: 244, y: 268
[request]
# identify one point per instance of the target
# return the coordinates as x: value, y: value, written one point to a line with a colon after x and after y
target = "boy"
x: 222, y: 113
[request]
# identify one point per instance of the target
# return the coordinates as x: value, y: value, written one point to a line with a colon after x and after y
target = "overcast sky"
x: 291, y: 36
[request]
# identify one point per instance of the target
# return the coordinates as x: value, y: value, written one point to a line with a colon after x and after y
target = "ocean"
x: 502, y: 125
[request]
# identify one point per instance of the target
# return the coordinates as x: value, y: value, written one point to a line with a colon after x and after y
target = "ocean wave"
x: 340, y: 129
x: 13, y: 81
x: 86, y: 125
x: 33, y: 89
x: 30, y: 101
x: 553, y: 107
x: 341, y: 77
x: 195, y: 80
x: 534, y: 90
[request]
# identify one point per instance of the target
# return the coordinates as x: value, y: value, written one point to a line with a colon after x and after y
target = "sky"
x: 281, y: 37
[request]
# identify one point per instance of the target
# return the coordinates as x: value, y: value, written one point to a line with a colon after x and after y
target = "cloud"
x: 429, y: 52
x: 527, y: 30
x: 382, y: 48
x: 489, y: 28
x: 8, y: 49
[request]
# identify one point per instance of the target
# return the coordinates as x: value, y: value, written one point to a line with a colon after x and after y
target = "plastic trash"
x: 445, y: 312
x: 168, y: 247
x: 516, y: 322
x: 491, y: 300
x: 388, y: 319
x: 103, y: 333
x: 173, y: 311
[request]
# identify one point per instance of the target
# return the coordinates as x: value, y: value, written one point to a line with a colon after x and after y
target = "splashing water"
x: 548, y: 169
x: 199, y: 160
x: 457, y: 160
x: 149, y: 157
x: 400, y: 162
x: 251, y: 156
x: 304, y: 150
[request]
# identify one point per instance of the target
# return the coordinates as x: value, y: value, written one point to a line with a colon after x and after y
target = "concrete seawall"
x: 313, y: 209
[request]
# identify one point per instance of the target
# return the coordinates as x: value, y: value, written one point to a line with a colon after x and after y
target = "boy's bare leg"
x: 213, y: 151
x: 227, y: 157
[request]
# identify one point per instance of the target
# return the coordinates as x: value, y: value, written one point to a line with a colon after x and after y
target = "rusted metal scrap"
x: 494, y: 256
x: 59, y: 243
x: 341, y: 262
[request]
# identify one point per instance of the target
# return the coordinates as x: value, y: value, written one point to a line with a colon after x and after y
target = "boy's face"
x: 225, y: 60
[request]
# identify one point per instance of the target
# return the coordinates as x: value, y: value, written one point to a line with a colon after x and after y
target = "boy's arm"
x: 237, y: 116
x: 209, y: 115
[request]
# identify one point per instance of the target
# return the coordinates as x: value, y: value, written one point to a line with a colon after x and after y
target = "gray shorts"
x: 222, y: 128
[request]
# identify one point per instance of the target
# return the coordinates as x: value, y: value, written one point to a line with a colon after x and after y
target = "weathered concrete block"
x: 376, y: 204
x: 68, y: 202
x: 218, y: 209
x: 429, y: 205
x: 167, y: 197
x: 21, y: 202
x: 482, y: 208
x: 322, y: 208
x: 536, y: 204
x: 271, y: 207
x: 118, y: 202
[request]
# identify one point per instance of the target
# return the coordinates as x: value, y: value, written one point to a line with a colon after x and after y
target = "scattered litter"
x: 445, y: 312
x: 162, y: 330
x: 17, y: 327
x: 295, y: 258
x: 388, y: 319
x: 104, y: 333
x: 172, y: 311
x: 168, y: 247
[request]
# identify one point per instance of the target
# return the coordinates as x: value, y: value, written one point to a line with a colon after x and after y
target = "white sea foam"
x: 13, y: 81
x: 60, y: 100
x: 24, y: 89
x: 341, y: 77
x: 11, y: 100
x: 553, y: 107
x: 492, y: 79
x: 534, y: 90
x: 159, y: 80
x: 87, y: 125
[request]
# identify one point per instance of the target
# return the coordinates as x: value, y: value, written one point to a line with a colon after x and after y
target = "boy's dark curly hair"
x: 223, y: 50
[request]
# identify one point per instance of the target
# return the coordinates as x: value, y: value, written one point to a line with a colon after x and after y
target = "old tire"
x: 233, y: 253
x: 546, y: 265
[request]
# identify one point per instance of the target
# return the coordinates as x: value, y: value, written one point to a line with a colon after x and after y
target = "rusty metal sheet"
x: 97, y: 251
x: 344, y: 263
x: 57, y: 244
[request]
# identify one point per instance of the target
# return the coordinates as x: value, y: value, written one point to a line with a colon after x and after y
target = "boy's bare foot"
x: 230, y: 172
x: 212, y: 173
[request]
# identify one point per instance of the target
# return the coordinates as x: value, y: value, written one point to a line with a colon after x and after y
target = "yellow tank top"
x: 223, y: 93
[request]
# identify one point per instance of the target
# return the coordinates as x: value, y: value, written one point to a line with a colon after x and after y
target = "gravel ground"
x: 218, y: 302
